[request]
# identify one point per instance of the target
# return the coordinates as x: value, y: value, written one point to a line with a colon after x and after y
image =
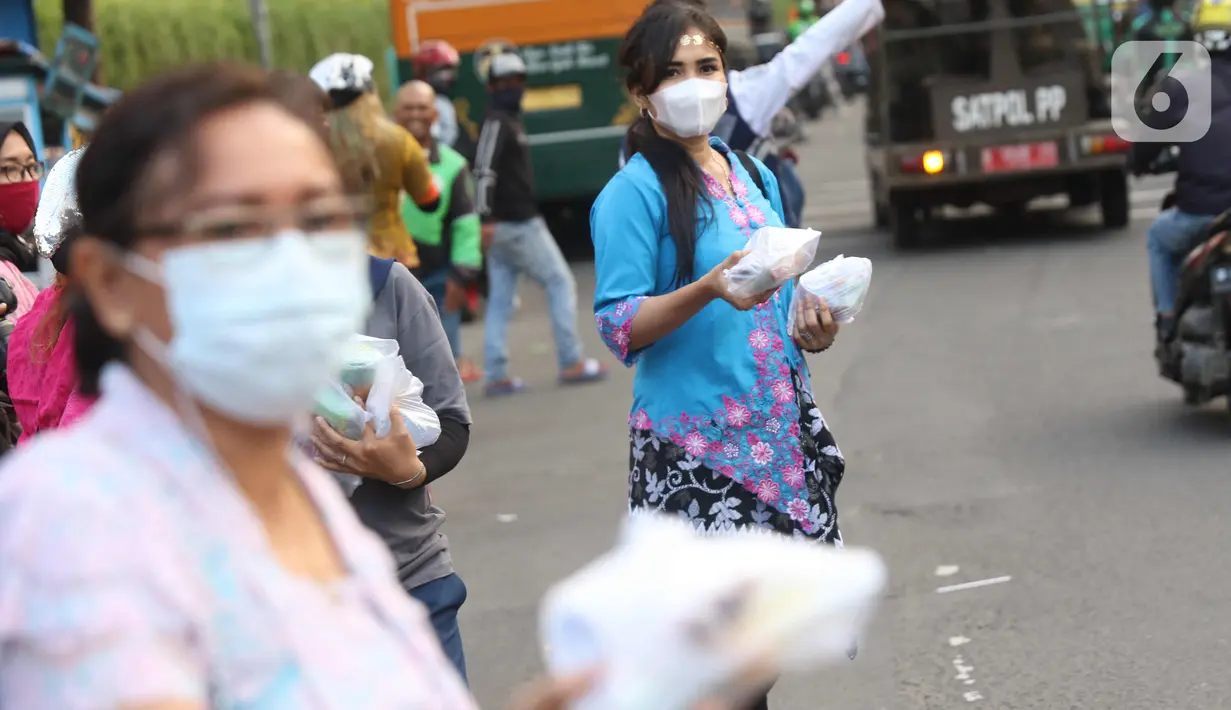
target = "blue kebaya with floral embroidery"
x: 723, y: 427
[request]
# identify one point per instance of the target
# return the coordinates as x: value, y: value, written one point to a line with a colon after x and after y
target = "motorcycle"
x: 1198, y: 355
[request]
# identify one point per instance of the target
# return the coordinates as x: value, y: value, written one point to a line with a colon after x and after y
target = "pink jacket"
x: 25, y: 291
x: 43, y: 390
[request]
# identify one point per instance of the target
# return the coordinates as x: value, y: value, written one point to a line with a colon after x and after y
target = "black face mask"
x: 508, y: 98
x: 442, y: 81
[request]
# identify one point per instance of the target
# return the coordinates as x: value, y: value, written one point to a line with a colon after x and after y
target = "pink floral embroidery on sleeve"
x: 615, y: 323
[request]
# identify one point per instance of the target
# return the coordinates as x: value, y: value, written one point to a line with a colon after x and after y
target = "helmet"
x: 506, y: 64
x: 344, y: 76
x: 807, y: 7
x: 760, y: 11
x: 1211, y: 25
x: 343, y: 72
x: 436, y: 63
x: 436, y: 53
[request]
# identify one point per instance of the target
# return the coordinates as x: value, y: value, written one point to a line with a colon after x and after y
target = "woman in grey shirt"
x: 402, y: 513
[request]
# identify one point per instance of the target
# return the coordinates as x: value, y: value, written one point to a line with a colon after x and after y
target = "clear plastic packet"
x: 842, y: 282
x: 394, y: 385
x: 363, y: 355
x: 777, y: 255
x: 732, y: 612
x: 374, y: 371
x: 336, y: 405
x: 57, y: 204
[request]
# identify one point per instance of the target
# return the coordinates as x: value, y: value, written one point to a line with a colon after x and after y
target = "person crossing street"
x: 517, y: 239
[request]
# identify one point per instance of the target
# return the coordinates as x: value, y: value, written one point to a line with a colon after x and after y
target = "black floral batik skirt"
x: 665, y: 478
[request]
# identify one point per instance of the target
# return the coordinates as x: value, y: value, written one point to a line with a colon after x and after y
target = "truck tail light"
x: 931, y: 162
x: 1103, y: 145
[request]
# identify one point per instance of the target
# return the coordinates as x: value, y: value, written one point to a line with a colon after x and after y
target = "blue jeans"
x: 443, y: 598
x: 527, y: 248
x: 436, y: 283
x: 1171, y: 237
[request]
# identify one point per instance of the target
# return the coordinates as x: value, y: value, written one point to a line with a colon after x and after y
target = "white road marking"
x: 946, y: 570
x: 972, y: 585
x: 507, y: 517
x: 956, y: 641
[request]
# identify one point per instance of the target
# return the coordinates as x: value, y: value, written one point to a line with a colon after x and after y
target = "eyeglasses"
x: 330, y: 214
x: 21, y: 173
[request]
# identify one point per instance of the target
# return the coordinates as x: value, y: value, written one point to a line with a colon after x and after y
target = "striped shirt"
x: 503, y: 174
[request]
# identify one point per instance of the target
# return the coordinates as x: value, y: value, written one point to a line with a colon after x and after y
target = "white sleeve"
x: 760, y: 92
x: 446, y: 120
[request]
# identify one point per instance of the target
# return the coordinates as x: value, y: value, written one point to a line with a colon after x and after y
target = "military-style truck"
x: 992, y: 102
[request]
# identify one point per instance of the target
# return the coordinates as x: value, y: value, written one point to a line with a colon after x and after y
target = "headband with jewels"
x: 698, y: 40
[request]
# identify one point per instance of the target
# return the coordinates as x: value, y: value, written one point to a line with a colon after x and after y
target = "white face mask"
x: 692, y: 107
x: 259, y: 324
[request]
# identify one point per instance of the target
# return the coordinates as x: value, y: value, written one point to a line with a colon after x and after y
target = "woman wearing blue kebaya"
x: 724, y: 429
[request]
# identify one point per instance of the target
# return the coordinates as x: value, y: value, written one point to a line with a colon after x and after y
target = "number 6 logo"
x: 1160, y: 92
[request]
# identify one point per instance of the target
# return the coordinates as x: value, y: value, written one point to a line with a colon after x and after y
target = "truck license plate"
x: 1220, y: 280
x: 1024, y: 156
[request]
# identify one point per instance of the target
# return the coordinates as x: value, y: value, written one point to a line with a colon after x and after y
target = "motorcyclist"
x: 1162, y: 22
x: 1203, y: 170
x: 760, y: 17
x: 806, y: 16
x: 437, y: 63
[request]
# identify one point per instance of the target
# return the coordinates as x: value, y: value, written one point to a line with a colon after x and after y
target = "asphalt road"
x: 1001, y: 417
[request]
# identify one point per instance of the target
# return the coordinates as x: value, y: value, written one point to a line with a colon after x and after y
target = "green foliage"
x: 141, y: 38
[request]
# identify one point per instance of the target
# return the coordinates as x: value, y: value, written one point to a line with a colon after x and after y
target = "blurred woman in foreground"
x: 377, y: 157
x: 206, y: 565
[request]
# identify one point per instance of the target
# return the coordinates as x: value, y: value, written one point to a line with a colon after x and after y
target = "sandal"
x: 591, y: 371
x: 469, y: 371
x: 504, y: 388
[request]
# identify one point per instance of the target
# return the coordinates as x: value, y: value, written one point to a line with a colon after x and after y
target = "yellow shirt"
x: 403, y: 167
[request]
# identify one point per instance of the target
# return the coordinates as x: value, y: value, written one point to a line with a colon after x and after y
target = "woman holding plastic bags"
x: 724, y: 429
x: 387, y: 476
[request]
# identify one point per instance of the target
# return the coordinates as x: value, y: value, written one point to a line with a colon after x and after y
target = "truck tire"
x: 880, y: 214
x: 904, y: 223
x: 880, y: 210
x: 1113, y: 199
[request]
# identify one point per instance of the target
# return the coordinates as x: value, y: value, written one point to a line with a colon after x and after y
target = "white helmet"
x: 344, y: 72
x: 505, y: 64
x: 1215, y: 40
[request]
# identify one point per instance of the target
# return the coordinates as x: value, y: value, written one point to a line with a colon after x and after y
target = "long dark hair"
x: 646, y: 54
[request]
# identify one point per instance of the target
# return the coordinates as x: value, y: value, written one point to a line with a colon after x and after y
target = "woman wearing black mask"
x: 20, y: 171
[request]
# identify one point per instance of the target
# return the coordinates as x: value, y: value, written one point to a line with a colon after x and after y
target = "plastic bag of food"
x: 731, y: 612
x: 363, y: 355
x: 336, y: 405
x: 842, y: 282
x: 395, y: 385
x: 777, y: 255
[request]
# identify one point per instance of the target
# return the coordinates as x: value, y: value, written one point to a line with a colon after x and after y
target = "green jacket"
x: 450, y: 237
x: 799, y: 26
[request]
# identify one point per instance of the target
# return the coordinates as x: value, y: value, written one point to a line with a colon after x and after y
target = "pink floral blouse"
x: 134, y: 572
